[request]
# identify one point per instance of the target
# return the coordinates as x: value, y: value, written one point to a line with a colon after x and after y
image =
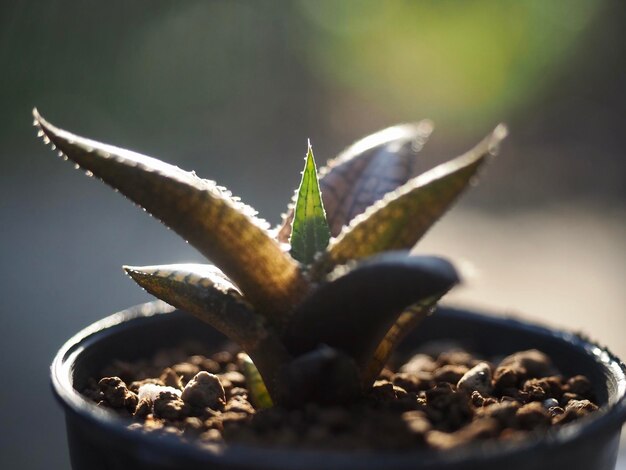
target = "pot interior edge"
x: 140, y: 335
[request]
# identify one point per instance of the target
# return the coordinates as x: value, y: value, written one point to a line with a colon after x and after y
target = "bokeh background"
x: 233, y: 89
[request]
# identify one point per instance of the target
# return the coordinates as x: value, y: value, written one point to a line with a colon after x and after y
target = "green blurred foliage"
x: 201, y: 83
x: 460, y: 62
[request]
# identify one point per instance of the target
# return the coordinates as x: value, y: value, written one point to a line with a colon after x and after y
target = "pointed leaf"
x: 406, y: 322
x: 204, y: 291
x: 365, y: 172
x: 256, y: 387
x: 201, y: 212
x: 402, y: 217
x: 310, y: 233
x: 366, y: 299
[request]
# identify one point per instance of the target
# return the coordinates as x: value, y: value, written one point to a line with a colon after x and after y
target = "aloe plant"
x: 319, y: 303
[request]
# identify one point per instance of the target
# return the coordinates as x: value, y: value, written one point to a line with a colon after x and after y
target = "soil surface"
x: 437, y: 398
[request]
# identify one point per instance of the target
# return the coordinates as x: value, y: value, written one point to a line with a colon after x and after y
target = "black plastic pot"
x: 99, y: 440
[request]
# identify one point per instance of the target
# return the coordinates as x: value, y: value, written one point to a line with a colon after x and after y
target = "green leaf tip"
x: 310, y: 233
x: 256, y: 387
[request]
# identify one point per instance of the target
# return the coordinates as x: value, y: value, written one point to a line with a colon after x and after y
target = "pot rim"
x: 609, y: 418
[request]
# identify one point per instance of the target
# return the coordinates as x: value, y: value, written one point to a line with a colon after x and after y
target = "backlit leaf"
x: 204, y: 291
x: 403, y: 216
x: 310, y: 233
x: 366, y: 171
x: 204, y: 214
x: 256, y: 387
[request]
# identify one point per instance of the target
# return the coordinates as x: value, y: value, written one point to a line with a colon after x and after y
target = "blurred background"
x: 233, y: 89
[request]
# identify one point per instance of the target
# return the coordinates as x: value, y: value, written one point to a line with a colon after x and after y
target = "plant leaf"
x: 367, y: 299
x: 406, y: 322
x: 201, y: 212
x: 365, y: 172
x: 204, y: 291
x: 256, y: 387
x: 403, y: 216
x: 310, y: 233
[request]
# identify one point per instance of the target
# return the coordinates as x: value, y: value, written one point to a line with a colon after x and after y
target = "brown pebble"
x: 543, y: 388
x: 170, y: 407
x: 204, y: 363
x: 144, y: 408
x: 233, y: 417
x: 534, y: 362
x: 204, y: 390
x: 579, y: 385
x: 584, y: 405
x: 450, y: 373
x: 506, y: 377
x: 457, y: 358
x: 574, y: 410
x: 116, y: 395
x: 223, y: 358
x: 413, y: 382
x: 505, y: 413
x: 447, y: 409
x: 171, y: 378
x: 186, y: 370
x: 555, y: 412
x: 419, y: 363
x: 239, y: 404
x: 532, y: 416
x: 478, y: 400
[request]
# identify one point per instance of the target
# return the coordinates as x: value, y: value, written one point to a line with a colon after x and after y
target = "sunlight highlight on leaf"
x: 403, y: 216
x: 256, y: 387
x: 310, y: 233
x: 406, y: 321
x: 201, y: 212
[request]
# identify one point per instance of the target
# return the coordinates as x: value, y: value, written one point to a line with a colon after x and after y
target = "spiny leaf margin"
x: 310, y: 233
x: 403, y: 216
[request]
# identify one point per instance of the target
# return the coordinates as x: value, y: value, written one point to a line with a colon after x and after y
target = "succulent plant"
x: 320, y: 302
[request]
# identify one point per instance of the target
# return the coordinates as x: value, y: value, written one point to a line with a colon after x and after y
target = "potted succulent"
x: 317, y: 306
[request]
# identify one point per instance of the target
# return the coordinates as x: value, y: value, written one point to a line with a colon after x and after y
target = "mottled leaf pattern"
x: 204, y: 291
x: 201, y: 212
x: 402, y: 217
x: 256, y: 387
x: 365, y: 172
x: 302, y: 344
x: 310, y: 233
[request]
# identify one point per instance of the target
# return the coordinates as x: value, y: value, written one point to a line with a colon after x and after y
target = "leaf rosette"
x: 317, y: 321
